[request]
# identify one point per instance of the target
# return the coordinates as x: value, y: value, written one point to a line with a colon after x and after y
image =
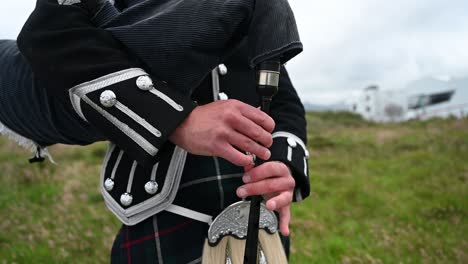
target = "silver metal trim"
x: 130, y: 178
x: 68, y: 2
x: 79, y: 92
x: 234, y: 221
x: 167, y: 99
x: 139, y: 212
x: 292, y: 142
x: 289, y: 153
x: 75, y: 102
x: 110, y: 149
x: 124, y: 109
x: 287, y: 135
x: 116, y: 165
x: 107, y: 80
x: 306, y: 170
x: 153, y: 171
x: 269, y: 78
x: 144, y: 83
x: 109, y: 182
x: 222, y: 69
x: 108, y: 99
x: 137, y: 138
x: 215, y: 84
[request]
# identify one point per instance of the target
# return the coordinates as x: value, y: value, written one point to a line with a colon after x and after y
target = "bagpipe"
x: 183, y: 42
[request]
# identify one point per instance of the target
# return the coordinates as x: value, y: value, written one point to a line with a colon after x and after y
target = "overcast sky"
x: 352, y: 44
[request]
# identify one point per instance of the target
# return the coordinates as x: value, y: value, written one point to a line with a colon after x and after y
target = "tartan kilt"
x: 208, y: 186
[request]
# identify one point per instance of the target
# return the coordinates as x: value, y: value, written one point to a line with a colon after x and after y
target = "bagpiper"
x: 178, y: 105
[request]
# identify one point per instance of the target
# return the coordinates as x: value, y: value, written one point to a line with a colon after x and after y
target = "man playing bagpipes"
x: 152, y: 83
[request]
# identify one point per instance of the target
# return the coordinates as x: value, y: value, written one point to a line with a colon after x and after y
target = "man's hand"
x: 273, y: 180
x: 218, y: 128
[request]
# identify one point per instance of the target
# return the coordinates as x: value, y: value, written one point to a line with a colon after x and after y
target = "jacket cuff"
x: 133, y: 110
x: 291, y: 150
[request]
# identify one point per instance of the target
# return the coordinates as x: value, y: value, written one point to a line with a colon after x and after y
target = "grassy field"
x: 381, y: 194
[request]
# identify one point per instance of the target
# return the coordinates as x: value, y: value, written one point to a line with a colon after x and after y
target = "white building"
x: 380, y: 106
x: 393, y: 105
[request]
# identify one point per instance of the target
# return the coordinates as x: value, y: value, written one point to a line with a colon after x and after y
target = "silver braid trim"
x: 68, y: 2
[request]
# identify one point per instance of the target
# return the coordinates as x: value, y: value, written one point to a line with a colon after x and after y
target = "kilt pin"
x: 122, y: 101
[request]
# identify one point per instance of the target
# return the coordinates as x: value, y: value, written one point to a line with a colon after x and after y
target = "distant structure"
x: 421, y: 99
x: 380, y: 106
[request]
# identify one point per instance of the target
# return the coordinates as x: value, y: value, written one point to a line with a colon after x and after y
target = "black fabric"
x: 288, y: 116
x: 64, y: 48
x: 273, y: 32
x: 189, y: 38
x: 286, y: 109
x: 141, y: 176
x: 181, y: 239
x: 148, y: 106
x: 137, y: 243
x: 279, y: 152
x: 27, y: 109
x: 64, y: 43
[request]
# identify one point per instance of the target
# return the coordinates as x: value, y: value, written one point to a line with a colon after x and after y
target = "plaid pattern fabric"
x: 169, y: 238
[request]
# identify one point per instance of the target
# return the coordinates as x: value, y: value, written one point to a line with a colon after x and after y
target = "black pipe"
x: 267, y: 86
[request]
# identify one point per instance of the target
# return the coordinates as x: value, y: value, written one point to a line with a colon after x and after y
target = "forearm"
x: 88, y: 68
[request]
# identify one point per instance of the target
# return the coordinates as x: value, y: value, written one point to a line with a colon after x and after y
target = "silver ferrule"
x: 268, y: 78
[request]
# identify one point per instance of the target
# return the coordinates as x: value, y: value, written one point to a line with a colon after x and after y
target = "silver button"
x: 222, y: 69
x: 292, y: 142
x: 126, y: 199
x: 144, y: 83
x: 151, y: 187
x: 223, y: 97
x: 108, y: 98
x: 109, y: 184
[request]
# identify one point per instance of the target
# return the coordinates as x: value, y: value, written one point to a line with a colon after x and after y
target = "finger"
x: 258, y: 117
x: 285, y: 218
x: 279, y: 201
x: 248, y: 128
x: 253, y: 131
x: 234, y: 156
x: 249, y: 167
x: 270, y: 185
x: 248, y: 145
x: 266, y: 170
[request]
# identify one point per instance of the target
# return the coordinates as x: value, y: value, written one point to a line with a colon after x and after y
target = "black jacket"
x: 92, y: 74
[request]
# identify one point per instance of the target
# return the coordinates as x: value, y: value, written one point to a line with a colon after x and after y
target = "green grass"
x: 393, y: 193
x: 384, y: 193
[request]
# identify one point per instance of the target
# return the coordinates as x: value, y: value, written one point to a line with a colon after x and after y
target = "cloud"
x: 352, y: 44
x: 13, y: 14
